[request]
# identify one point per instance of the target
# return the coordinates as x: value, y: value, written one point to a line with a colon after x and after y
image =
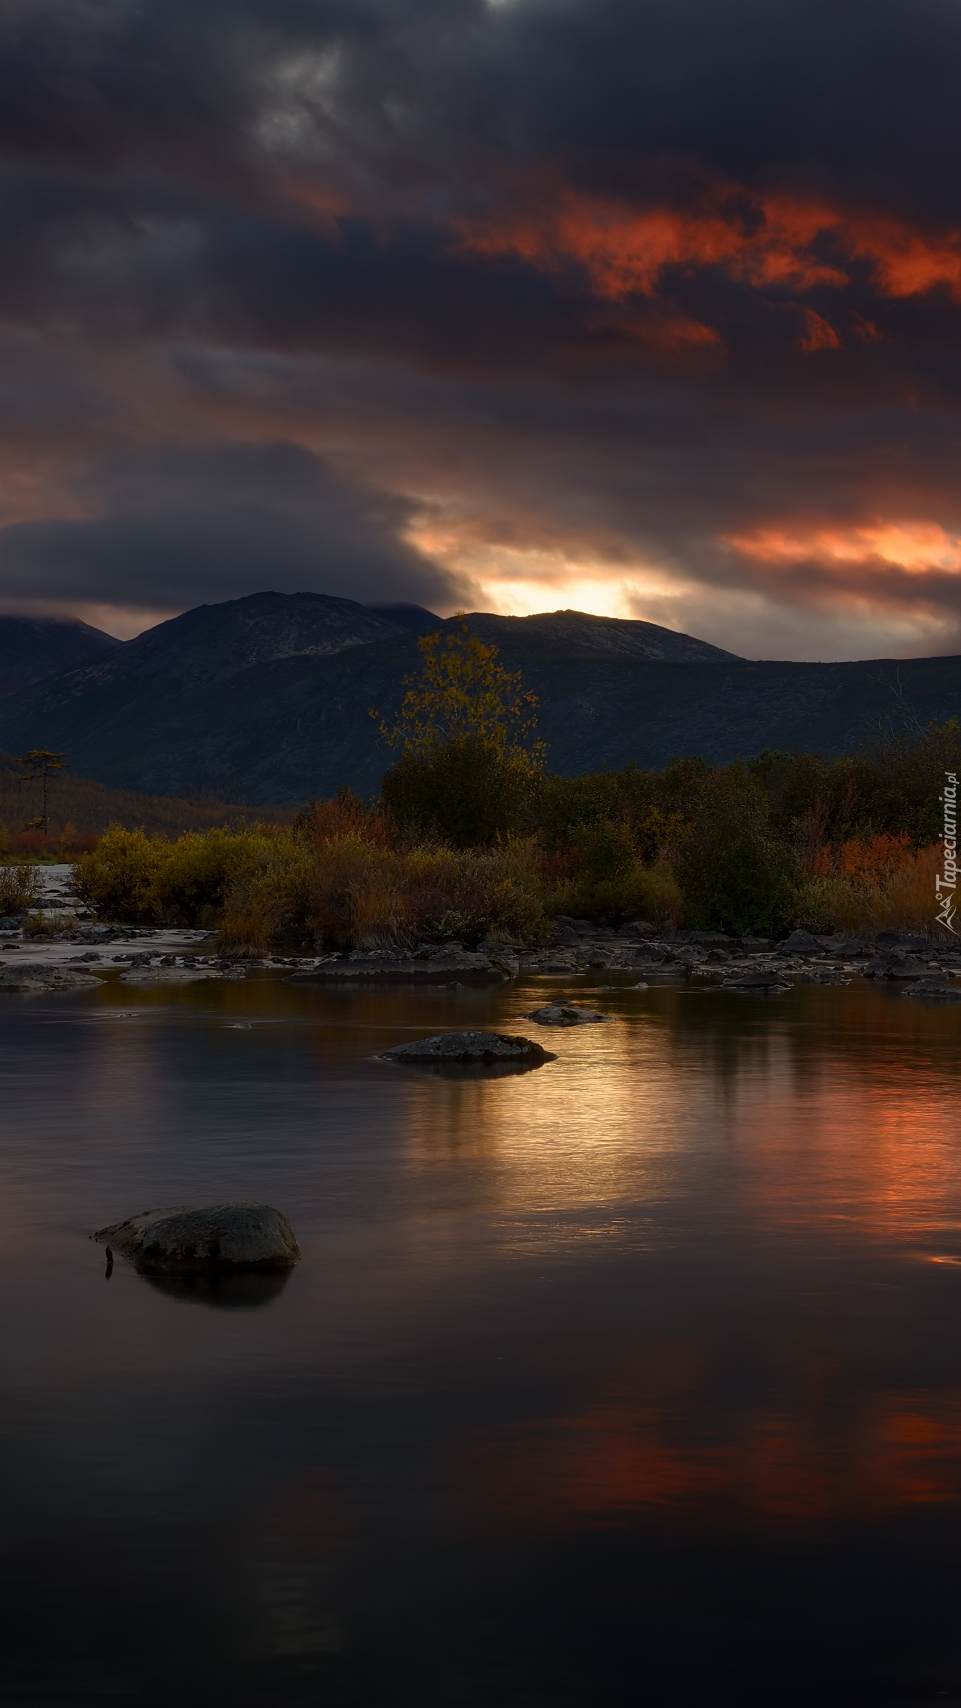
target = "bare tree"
x: 41, y: 764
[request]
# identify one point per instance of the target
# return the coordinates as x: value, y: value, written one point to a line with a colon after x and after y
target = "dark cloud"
x: 603, y: 284
x: 202, y: 525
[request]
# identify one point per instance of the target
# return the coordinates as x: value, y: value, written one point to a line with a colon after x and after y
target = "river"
x: 632, y: 1379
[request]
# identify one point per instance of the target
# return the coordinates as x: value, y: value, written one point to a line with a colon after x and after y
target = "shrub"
x: 36, y: 926
x: 600, y: 876
x: 192, y: 881
x: 20, y: 887
x: 267, y: 897
x: 146, y: 879
x: 365, y: 895
x: 468, y: 791
x: 734, y: 874
x: 117, y: 878
x: 865, y: 886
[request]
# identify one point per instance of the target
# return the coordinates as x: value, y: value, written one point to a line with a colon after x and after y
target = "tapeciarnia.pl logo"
x: 948, y: 883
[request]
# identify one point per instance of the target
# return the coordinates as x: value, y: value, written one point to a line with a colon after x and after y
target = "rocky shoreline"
x: 918, y: 965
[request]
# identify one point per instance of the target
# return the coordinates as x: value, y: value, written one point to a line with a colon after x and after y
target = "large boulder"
x: 40, y: 976
x: 185, y: 1240
x: 463, y: 1049
x: 567, y: 1014
x: 800, y: 943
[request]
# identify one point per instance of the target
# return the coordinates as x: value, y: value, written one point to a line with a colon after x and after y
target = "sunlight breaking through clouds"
x: 917, y: 547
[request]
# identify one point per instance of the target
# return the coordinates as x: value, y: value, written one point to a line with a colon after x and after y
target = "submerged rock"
x: 432, y: 966
x: 567, y: 1014
x: 41, y: 976
x: 464, y: 1048
x: 896, y: 964
x: 930, y: 988
x: 757, y: 981
x: 184, y: 1239
x: 168, y: 975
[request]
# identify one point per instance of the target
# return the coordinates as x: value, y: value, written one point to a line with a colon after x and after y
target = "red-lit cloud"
x: 554, y: 303
x: 762, y: 240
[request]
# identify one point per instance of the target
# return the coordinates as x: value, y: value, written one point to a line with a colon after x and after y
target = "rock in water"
x: 39, y: 976
x: 562, y: 1014
x: 937, y: 992
x: 465, y: 1048
x: 168, y: 975
x: 185, y: 1240
x: 799, y: 943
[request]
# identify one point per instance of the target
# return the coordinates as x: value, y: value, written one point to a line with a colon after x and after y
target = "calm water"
x: 632, y: 1380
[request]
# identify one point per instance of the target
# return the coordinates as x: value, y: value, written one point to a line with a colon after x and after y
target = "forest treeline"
x: 81, y: 809
x: 473, y: 837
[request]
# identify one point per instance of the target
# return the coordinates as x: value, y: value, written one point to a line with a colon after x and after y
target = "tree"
x: 42, y: 764
x: 470, y: 763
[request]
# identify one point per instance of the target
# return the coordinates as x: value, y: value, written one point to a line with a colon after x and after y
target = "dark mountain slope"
x: 154, y: 706
x: 214, y: 641
x: 413, y: 619
x: 34, y: 647
x: 120, y: 700
x: 297, y: 726
x: 577, y: 632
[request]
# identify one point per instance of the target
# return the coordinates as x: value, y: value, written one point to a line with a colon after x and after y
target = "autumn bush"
x: 151, y: 881
x: 869, y: 884
x: 267, y: 897
x: 370, y: 895
x: 20, y: 887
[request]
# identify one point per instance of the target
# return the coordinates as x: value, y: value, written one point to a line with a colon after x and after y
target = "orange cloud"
x: 626, y: 252
x: 763, y: 240
x: 906, y: 264
x: 820, y: 334
x: 918, y: 547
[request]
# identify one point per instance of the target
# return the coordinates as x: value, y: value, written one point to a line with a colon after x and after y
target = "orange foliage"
x: 872, y: 860
x: 345, y: 814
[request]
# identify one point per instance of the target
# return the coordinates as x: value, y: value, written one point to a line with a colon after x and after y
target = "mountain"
x: 213, y: 641
x: 576, y: 633
x: 33, y: 647
x: 411, y: 617
x: 268, y: 698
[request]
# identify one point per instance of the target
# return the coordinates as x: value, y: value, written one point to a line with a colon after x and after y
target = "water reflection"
x: 241, y: 1292
x: 635, y: 1379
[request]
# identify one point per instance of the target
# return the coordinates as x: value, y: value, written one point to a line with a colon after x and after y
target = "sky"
x: 646, y: 309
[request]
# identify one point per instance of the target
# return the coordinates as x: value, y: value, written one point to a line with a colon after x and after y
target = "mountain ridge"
x: 296, y: 721
x: 32, y: 648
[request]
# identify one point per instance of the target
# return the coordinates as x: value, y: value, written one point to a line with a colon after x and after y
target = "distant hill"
x: 33, y: 647
x: 267, y: 699
x: 85, y: 806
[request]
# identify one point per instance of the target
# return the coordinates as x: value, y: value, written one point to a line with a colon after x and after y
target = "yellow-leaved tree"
x: 470, y: 762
